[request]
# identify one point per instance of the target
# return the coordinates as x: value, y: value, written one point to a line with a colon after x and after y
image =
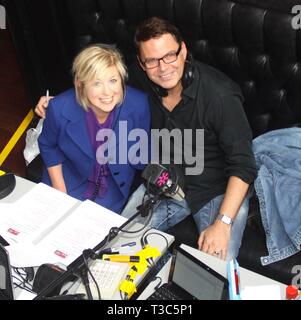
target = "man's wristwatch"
x: 225, y: 219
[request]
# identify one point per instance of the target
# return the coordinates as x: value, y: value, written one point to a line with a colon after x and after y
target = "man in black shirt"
x: 185, y: 94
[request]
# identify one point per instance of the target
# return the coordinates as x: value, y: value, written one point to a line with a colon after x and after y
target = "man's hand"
x: 40, y: 108
x: 215, y: 239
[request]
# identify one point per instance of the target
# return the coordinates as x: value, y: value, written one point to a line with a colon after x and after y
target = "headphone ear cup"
x: 188, y: 74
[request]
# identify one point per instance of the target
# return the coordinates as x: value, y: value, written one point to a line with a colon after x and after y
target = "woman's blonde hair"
x: 91, y: 64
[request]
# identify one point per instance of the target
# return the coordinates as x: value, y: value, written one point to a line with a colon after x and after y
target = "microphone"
x: 167, y: 181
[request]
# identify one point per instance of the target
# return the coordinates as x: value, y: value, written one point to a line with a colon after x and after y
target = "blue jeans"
x: 208, y: 213
x: 169, y: 212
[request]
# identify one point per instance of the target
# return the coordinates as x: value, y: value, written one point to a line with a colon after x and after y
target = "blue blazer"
x: 64, y: 140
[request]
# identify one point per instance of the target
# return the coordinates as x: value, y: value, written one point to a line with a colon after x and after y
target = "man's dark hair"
x: 155, y: 27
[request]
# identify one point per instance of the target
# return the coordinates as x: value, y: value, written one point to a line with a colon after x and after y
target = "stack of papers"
x: 48, y: 226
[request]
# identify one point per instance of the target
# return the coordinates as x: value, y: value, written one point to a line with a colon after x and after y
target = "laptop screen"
x: 6, y: 289
x: 198, y: 279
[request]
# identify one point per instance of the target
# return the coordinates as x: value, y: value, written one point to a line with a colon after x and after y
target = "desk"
x: 247, y: 277
x: 23, y: 186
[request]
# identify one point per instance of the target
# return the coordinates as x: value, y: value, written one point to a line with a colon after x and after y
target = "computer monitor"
x: 196, y: 278
x: 6, y: 284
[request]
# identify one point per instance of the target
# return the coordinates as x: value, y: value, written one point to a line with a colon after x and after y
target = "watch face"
x: 227, y: 220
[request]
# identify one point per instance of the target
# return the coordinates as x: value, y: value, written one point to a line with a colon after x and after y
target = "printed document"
x: 48, y: 226
x: 34, y: 213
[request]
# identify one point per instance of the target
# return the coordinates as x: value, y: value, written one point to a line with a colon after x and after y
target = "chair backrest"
x: 255, y: 42
x: 252, y: 41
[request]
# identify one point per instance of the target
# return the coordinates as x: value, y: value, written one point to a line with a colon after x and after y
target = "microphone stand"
x: 78, y: 266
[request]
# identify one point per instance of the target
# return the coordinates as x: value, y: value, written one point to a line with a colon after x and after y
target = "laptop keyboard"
x: 164, y: 293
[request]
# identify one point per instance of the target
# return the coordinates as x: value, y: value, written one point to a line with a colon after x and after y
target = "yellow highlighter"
x: 119, y: 258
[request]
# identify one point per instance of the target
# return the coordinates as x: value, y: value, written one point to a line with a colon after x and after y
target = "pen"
x: 236, y: 278
x: 47, y: 96
x: 121, y: 249
x: 118, y: 258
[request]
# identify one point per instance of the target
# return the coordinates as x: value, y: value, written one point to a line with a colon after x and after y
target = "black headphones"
x: 187, y: 78
x: 7, y: 184
x: 188, y: 74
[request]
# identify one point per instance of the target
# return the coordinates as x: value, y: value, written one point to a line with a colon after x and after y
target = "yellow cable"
x: 16, y: 136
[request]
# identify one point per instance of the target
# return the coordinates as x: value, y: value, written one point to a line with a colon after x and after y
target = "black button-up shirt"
x: 211, y: 102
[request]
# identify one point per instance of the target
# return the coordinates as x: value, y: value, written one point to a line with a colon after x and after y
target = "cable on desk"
x: 146, y: 235
x: 85, y: 279
x: 159, y: 284
x: 150, y: 208
x: 21, y: 286
x: 144, y: 243
x: 24, y: 279
x: 143, y: 227
x: 114, y: 230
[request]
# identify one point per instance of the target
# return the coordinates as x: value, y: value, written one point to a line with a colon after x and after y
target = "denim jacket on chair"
x: 278, y: 187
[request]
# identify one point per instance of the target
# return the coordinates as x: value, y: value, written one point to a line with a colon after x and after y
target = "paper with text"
x: 34, y: 214
x: 87, y: 226
x: 5, y: 211
x: 84, y: 228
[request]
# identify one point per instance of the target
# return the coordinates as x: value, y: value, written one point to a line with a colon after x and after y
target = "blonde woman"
x: 70, y: 140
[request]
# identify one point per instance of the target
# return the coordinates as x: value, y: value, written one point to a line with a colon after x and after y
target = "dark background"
x: 252, y: 41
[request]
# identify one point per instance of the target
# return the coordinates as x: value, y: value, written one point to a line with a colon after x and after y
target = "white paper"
x: 34, y: 214
x: 5, y: 211
x: 263, y: 292
x: 86, y: 227
x: 83, y: 228
x: 26, y: 255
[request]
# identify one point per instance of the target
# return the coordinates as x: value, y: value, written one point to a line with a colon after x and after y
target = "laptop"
x: 191, y: 279
x: 6, y: 283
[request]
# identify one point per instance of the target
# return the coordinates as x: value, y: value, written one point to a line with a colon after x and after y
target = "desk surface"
x: 248, y: 278
x: 23, y: 186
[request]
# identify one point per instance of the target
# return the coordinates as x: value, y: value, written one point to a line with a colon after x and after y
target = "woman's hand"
x: 40, y: 108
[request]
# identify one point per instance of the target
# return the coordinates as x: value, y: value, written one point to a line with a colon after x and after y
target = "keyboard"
x: 164, y: 293
x: 108, y: 276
